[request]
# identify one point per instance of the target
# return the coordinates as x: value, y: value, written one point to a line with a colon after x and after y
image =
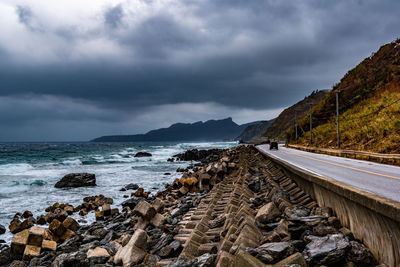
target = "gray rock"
x: 77, y: 259
x: 297, y: 211
x: 326, y: 250
x: 2, y: 229
x: 76, y: 180
x: 359, y: 254
x: 275, y: 251
x: 172, y: 250
x: 255, y: 186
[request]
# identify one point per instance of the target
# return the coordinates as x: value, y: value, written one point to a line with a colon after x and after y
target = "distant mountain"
x: 212, y: 130
x: 286, y: 120
x: 254, y: 130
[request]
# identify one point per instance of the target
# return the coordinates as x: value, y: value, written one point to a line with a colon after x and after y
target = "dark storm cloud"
x: 256, y: 55
x: 113, y: 16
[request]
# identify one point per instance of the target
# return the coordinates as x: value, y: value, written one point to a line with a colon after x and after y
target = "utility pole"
x: 310, y: 123
x: 337, y: 119
x: 295, y: 123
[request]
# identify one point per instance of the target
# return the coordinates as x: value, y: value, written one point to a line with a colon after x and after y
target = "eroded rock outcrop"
x: 77, y: 180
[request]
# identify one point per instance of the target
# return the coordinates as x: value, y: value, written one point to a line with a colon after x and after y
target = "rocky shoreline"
x: 235, y: 208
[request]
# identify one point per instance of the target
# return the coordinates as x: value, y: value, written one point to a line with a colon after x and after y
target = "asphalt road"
x: 381, y: 179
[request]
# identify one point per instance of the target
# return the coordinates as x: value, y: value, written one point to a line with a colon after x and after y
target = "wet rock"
x: 172, y: 250
x: 27, y: 214
x: 131, y: 187
x: 274, y: 251
x: 5, y: 256
x: 98, y: 255
x: 323, y: 230
x: 205, y: 156
x: 297, y: 211
x: 359, y: 254
x: 206, y: 260
x: 71, y: 259
x: 41, y: 220
x: 255, y: 186
x: 60, y: 214
x: 143, y: 154
x: 131, y: 203
x: 76, y: 180
x: 17, y: 226
x: 267, y: 213
x: 2, y: 229
x: 328, y: 250
x: 17, y: 263
x: 164, y: 240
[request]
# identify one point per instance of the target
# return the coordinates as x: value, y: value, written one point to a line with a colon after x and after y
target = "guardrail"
x: 373, y: 219
x: 392, y: 159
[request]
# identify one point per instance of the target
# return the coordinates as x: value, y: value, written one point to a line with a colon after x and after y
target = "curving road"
x: 380, y: 179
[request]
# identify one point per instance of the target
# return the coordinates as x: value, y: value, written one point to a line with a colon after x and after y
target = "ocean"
x: 28, y: 172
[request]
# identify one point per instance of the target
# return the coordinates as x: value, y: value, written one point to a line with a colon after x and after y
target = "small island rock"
x: 76, y: 180
x: 143, y: 154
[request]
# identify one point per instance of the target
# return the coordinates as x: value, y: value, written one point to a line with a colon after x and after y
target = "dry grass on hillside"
x: 372, y: 125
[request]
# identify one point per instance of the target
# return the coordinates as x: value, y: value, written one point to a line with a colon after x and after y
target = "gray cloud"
x: 251, y: 56
x: 113, y: 16
x: 24, y: 14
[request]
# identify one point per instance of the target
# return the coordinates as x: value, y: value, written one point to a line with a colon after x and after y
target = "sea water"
x: 28, y: 172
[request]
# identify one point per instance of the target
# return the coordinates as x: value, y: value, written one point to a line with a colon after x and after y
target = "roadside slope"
x: 369, y: 101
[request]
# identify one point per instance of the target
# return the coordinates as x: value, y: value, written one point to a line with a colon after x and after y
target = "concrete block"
x: 158, y: 205
x: 67, y: 235
x: 36, y: 235
x: 145, y: 210
x: 99, y: 215
x: 71, y: 224
x: 18, y: 243
x: 106, y: 210
x: 57, y: 228
x: 158, y: 220
x: 31, y: 252
x: 49, y: 245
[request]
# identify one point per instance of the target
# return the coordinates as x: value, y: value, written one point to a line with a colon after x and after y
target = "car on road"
x: 273, y: 145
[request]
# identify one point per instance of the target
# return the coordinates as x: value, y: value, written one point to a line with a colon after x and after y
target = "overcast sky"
x: 78, y: 69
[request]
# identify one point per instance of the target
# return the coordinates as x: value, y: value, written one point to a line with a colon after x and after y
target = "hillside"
x: 369, y: 97
x: 212, y: 130
x: 254, y: 130
x: 285, y: 121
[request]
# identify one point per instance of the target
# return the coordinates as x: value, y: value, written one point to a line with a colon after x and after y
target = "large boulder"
x: 133, y: 252
x: 267, y: 213
x: 143, y: 154
x: 76, y: 180
x: 326, y: 250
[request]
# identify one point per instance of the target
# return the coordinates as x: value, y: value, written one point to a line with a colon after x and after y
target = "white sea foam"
x: 14, y: 169
x: 72, y: 162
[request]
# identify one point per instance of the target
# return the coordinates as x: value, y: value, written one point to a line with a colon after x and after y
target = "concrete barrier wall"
x: 373, y: 219
x: 392, y: 159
